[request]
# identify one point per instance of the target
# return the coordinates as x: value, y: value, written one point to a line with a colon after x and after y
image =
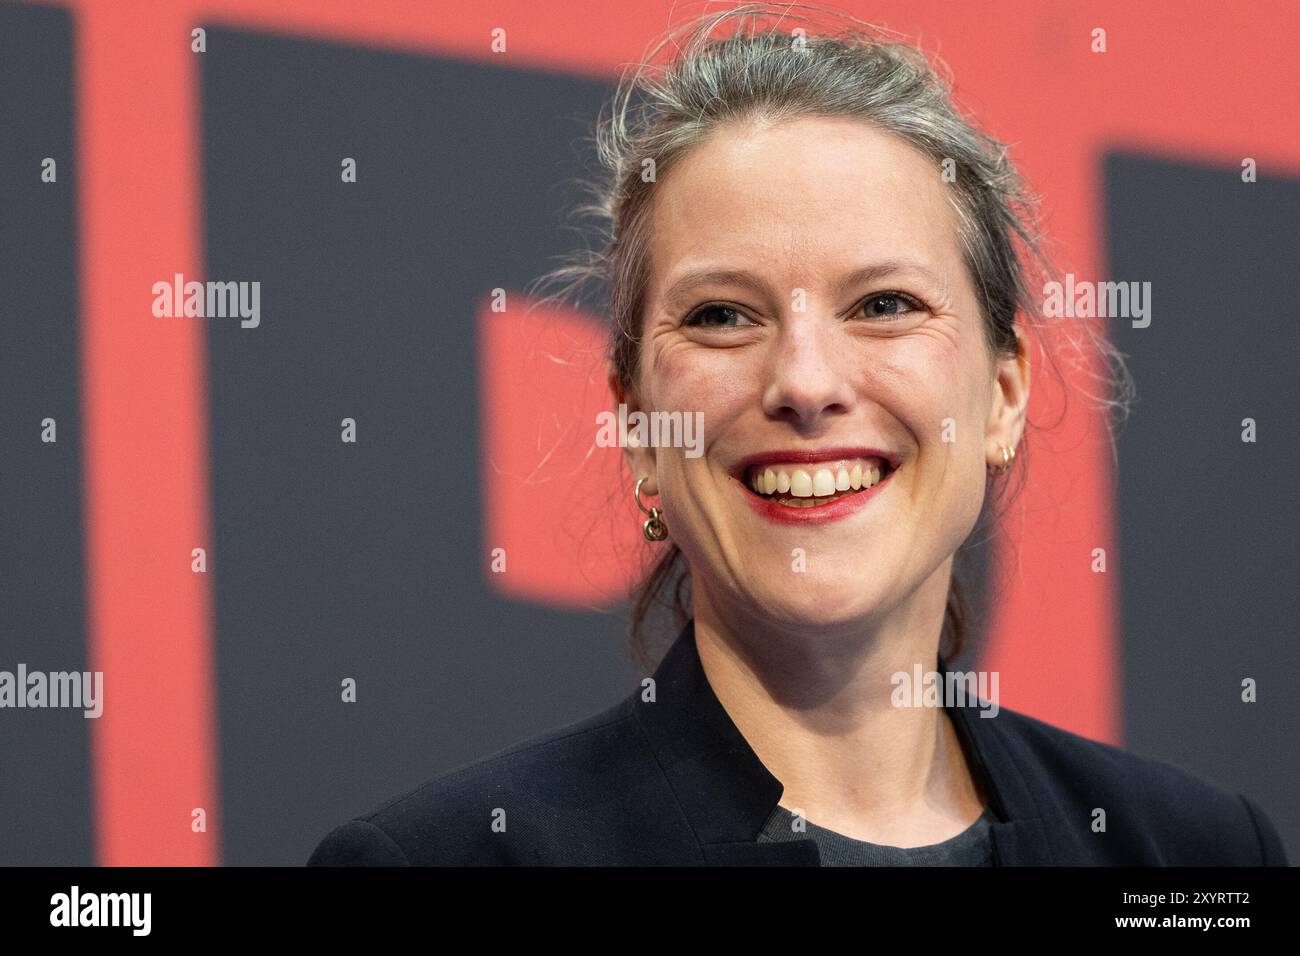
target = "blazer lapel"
x: 722, y: 787
x: 1020, y: 835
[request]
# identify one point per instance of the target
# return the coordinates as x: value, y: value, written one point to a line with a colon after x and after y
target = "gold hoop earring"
x: 1008, y: 459
x: 654, y: 527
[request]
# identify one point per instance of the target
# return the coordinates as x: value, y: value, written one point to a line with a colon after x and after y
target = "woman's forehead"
x: 813, y: 189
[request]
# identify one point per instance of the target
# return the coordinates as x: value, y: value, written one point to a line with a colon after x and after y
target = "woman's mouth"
x: 802, y: 492
x: 813, y: 485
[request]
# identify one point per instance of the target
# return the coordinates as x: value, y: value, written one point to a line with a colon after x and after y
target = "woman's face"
x: 808, y: 295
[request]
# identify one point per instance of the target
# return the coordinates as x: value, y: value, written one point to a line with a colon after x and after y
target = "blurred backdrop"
x: 181, y: 510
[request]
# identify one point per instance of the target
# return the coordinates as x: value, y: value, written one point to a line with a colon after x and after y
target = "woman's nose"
x: 809, y: 378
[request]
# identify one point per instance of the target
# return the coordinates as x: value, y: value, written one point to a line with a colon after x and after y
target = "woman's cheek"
x: 712, y: 381
x: 929, y: 380
x: 675, y: 372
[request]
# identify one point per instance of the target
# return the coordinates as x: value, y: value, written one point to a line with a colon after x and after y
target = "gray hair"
x: 821, y: 63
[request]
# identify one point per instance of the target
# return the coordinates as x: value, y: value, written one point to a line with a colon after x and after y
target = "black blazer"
x: 673, y: 782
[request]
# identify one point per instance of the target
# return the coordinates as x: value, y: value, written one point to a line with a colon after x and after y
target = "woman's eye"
x: 713, y: 317
x: 889, y: 305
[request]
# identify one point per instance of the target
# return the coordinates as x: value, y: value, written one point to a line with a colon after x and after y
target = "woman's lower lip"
x: 831, y: 511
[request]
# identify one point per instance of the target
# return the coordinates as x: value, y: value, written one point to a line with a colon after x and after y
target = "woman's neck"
x: 820, y: 712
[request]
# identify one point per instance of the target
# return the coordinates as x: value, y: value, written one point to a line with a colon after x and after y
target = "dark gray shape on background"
x: 366, y: 561
x: 45, y: 771
x: 1208, y: 524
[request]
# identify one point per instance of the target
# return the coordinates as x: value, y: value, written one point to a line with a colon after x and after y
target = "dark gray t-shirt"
x: 972, y: 847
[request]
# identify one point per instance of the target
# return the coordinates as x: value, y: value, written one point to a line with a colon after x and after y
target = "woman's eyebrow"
x: 887, y: 268
x: 682, y: 286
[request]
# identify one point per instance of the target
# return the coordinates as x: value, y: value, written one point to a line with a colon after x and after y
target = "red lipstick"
x: 841, y: 507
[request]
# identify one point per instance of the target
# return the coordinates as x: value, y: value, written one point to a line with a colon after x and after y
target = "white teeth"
x: 805, y: 502
x: 815, y: 484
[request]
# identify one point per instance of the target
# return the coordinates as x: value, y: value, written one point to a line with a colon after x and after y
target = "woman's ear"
x: 1010, y: 398
x: 640, y: 461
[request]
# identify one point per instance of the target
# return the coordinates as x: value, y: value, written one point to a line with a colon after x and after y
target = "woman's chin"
x: 813, y: 606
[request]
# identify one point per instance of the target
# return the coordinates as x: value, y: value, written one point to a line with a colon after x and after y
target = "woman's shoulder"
x: 1155, y: 807
x: 504, y: 807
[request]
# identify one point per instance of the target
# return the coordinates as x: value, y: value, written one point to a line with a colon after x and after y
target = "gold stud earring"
x: 1008, y: 459
x: 654, y: 528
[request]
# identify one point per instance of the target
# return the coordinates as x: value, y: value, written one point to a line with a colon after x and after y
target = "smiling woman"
x: 811, y: 248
